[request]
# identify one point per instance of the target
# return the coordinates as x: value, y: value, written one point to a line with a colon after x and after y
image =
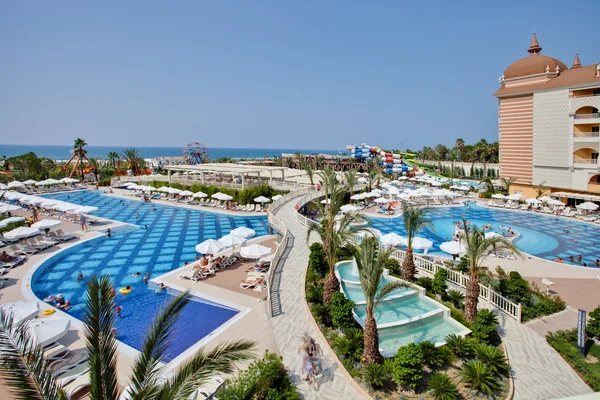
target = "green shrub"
x: 435, y: 357
x: 456, y: 297
x: 564, y: 342
x: 314, y: 294
x: 459, y: 316
x: 480, y: 377
x: 515, y: 287
x: 438, y: 285
x: 407, y: 367
x: 317, y: 259
x: 393, y: 266
x: 484, y: 327
x: 350, y: 345
x: 493, y: 357
x: 375, y: 375
x: 460, y: 346
x: 322, y: 314
x: 593, y: 326
x: 442, y: 388
x: 263, y: 379
x: 312, y: 277
x: 341, y: 311
x: 346, y: 252
x: 425, y: 282
x: 463, y: 265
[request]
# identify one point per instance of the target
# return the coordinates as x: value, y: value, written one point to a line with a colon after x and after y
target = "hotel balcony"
x: 579, y: 102
x: 585, y: 162
x: 593, y: 137
x: 594, y: 187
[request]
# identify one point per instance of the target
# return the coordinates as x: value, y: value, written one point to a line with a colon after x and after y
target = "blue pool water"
x: 169, y: 240
x: 541, y: 235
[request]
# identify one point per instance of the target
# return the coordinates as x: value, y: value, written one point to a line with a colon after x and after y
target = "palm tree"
x: 441, y: 151
x: 489, y: 185
x: 460, y: 146
x: 483, y: 152
x: 333, y: 234
x: 541, y: 190
x: 112, y: 158
x: 78, y: 147
x: 371, y: 260
x: 477, y: 247
x: 25, y: 371
x: 351, y: 179
x: 415, y: 219
x: 95, y: 164
x: 307, y: 166
x: 508, y: 181
x: 133, y: 160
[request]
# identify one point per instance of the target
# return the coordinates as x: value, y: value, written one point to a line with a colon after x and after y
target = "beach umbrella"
x: 49, y: 203
x: 454, y: 248
x: 41, y: 183
x: 232, y: 240
x: 515, y: 196
x: 349, y: 208
x: 276, y: 197
x: 554, y: 202
x: 22, y: 310
x: 403, y: 196
x: 403, y: 178
x: 199, y: 195
x: 358, y: 196
x: 533, y: 201
x: 218, y: 196
x: 326, y: 201
x: 46, y: 224
x: 35, y: 200
x: 11, y: 220
x: 435, y: 183
x: 85, y: 210
x: 362, y: 180
x: 382, y: 200
x: 149, y: 189
x: 66, y: 207
x: 255, y: 251
x: 262, y: 199
x: 15, y: 184
x: 587, y: 206
x: 371, y: 232
x: 421, y: 243
x: 226, y: 197
x: 52, y: 181
x: 2, y: 186
x: 48, y: 330
x: 243, y: 231
x: 545, y: 198
x: 21, y: 232
x: 498, y: 196
x: 210, y: 246
x: 491, y: 235
x: 392, y: 239
x: 175, y: 190
x: 164, y: 189
x: 69, y: 180
x: 30, y: 182
x: 186, y: 193
x: 8, y: 208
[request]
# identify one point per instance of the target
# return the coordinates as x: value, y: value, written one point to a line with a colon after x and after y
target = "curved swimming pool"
x: 541, y: 235
x: 162, y: 239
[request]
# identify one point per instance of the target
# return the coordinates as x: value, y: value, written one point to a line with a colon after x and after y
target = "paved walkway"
x: 539, y: 372
x: 293, y: 317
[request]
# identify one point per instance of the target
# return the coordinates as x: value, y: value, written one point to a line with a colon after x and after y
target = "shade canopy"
x: 255, y: 251
x: 262, y: 199
x: 421, y: 243
x: 454, y: 248
x: 85, y: 210
x: 15, y: 184
x: 22, y: 310
x: 164, y: 189
x: 46, y: 224
x: 490, y: 235
x: 186, y: 193
x: 232, y: 240
x: 69, y: 180
x: 349, y: 208
x: 357, y: 196
x: 382, y: 200
x: 533, y: 201
x: 545, y: 198
x: 515, y: 196
x: 370, y: 232
x: 392, y: 239
x: 21, y: 232
x: 276, y: 197
x: 4, y: 208
x: 11, y: 220
x: 498, y: 196
x: 30, y: 182
x: 210, y: 246
x: 199, y: 195
x: 49, y: 330
x: 587, y: 206
x: 243, y: 231
x: 554, y: 202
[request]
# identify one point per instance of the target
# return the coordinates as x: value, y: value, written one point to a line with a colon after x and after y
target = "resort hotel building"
x: 548, y: 125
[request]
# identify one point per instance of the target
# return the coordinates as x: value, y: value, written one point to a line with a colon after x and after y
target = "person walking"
x: 308, y: 373
x: 82, y: 222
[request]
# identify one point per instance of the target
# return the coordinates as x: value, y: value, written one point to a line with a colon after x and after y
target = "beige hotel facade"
x: 549, y: 126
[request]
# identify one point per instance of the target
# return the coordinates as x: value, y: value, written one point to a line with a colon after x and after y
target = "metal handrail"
x: 587, y: 116
x: 585, y: 160
x: 586, y: 134
x: 458, y: 278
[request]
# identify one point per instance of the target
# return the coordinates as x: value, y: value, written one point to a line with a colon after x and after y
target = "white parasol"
x: 392, y: 239
x: 243, y: 231
x: 232, y: 240
x: 21, y: 232
x: 46, y: 224
x: 49, y: 330
x: 186, y: 193
x: 11, y: 220
x: 421, y: 243
x: 200, y: 195
x: 588, y: 206
x: 15, y: 184
x: 210, y: 246
x: 22, y: 310
x: 454, y: 248
x: 262, y: 199
x: 276, y: 197
x: 255, y: 251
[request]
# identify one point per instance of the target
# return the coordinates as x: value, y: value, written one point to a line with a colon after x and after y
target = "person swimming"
x: 146, y: 277
x: 118, y: 310
x: 80, y: 276
x: 162, y: 288
x: 108, y: 232
x: 136, y: 275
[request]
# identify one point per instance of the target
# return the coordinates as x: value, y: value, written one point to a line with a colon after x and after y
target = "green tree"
x: 508, y: 181
x: 317, y: 259
x: 407, y: 366
x: 95, y: 165
x: 308, y: 167
x: 341, y: 311
x: 133, y: 161
x: 593, y: 326
x: 439, y: 285
x: 80, y: 152
x: 460, y: 147
x: 489, y: 185
x: 441, y: 151
x: 493, y: 357
x: 27, y: 374
x: 479, y: 377
x: 113, y: 157
x: 351, y: 179
x: 541, y: 190
x: 484, y: 326
x: 460, y: 346
x: 442, y: 387
x: 371, y: 261
x: 478, y: 247
x: 415, y: 220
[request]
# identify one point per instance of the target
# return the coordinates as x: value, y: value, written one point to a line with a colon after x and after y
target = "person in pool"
x: 80, y: 276
x: 118, y: 310
x: 60, y: 300
x: 162, y: 288
x: 136, y: 275
x: 108, y: 232
x: 559, y: 260
x: 597, y: 263
x: 146, y: 277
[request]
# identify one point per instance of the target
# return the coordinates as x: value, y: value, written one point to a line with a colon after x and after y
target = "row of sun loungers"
x: 195, y: 272
x: 63, y: 216
x: 564, y: 212
x: 35, y: 190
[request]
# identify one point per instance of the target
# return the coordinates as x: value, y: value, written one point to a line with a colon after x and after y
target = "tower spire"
x: 576, y: 62
x: 534, y: 48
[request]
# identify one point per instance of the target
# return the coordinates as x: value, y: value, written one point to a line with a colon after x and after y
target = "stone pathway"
x: 539, y: 371
x: 292, y: 318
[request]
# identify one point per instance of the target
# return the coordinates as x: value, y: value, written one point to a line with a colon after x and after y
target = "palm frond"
x: 202, y: 365
x: 388, y: 288
x: 22, y: 365
x: 100, y: 342
x: 146, y: 370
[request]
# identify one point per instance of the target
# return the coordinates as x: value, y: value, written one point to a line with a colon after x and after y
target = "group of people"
x: 311, y: 363
x: 578, y: 260
x: 59, y: 302
x: 7, y: 258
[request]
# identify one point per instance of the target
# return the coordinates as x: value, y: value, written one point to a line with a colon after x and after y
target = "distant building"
x: 549, y: 123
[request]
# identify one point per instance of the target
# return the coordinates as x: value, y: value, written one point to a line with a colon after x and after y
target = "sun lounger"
x: 64, y: 236
x: 78, y: 384
x: 36, y: 245
x: 64, y: 362
x: 22, y: 251
x: 56, y: 352
x: 251, y: 283
x: 510, y: 255
x: 71, y: 374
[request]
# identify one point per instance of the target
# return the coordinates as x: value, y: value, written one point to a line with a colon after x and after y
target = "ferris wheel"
x: 195, y: 153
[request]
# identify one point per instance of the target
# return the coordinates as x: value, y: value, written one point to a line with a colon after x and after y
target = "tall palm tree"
x: 415, y: 219
x: 112, y: 158
x: 308, y: 167
x: 541, y: 190
x: 489, y: 184
x: 460, y: 146
x: 441, y: 151
x: 508, y: 181
x: 333, y: 234
x: 478, y: 247
x: 95, y: 164
x: 133, y: 160
x: 351, y: 179
x: 371, y: 260
x: 27, y: 373
x: 80, y: 152
x: 483, y: 151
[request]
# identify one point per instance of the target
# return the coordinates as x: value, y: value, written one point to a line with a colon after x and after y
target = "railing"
x: 587, y: 95
x: 307, y: 198
x: 586, y: 134
x: 585, y: 160
x: 586, y: 116
x: 505, y: 305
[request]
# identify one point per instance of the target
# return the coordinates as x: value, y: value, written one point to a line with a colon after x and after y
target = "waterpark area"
x: 245, y: 261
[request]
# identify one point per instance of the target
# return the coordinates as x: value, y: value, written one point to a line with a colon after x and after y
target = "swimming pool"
x: 155, y: 241
x: 544, y: 236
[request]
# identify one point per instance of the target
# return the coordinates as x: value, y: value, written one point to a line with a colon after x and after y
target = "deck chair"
x: 251, y: 283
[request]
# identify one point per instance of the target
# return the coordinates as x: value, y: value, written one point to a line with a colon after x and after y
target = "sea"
x: 64, y: 152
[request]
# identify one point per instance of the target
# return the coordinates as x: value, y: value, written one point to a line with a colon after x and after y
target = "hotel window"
x: 596, y: 92
x: 594, y: 156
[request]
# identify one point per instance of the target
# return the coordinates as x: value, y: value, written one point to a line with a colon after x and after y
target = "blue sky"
x: 270, y: 73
